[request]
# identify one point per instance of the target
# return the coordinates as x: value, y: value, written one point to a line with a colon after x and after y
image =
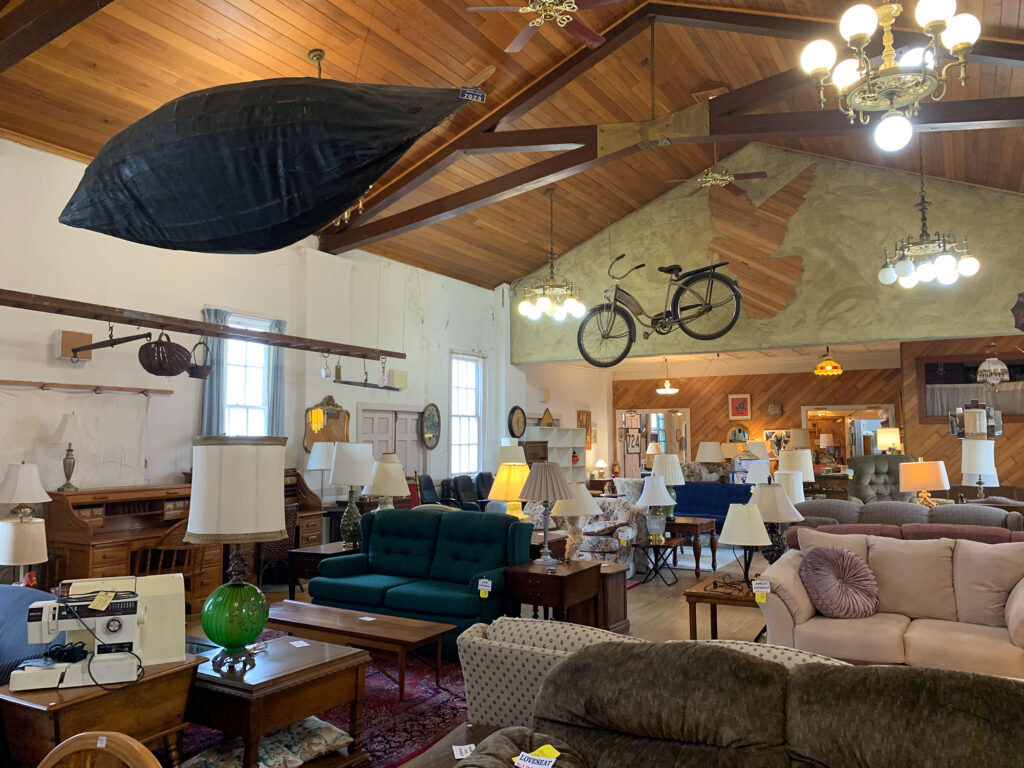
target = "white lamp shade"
x: 582, y: 504
x: 730, y: 450
x: 709, y: 453
x: 653, y: 448
x: 759, y: 448
x: 600, y: 464
x: 22, y: 485
x: 758, y: 472
x: 887, y: 437
x: 320, y: 457
x: 978, y: 457
x: 798, y: 460
x: 743, y: 527
x: 511, y: 454
x: 68, y: 430
x: 774, y: 504
x: 826, y: 441
x: 799, y: 438
x: 654, y: 494
x: 923, y: 476
x: 22, y: 541
x: 859, y: 21
x: 352, y: 463
x: 508, y: 482
x: 546, y: 483
x: 387, y: 478
x: 818, y: 57
x: 792, y: 482
x: 927, y: 12
x: 666, y: 466
x: 237, y: 490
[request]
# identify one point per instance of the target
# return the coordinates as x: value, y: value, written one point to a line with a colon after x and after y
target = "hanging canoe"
x: 251, y: 167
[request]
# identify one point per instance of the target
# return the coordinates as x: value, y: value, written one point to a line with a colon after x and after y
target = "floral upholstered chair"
x: 606, y: 536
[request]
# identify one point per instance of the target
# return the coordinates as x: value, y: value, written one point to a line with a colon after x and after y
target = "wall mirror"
x: 944, y: 384
x: 738, y: 435
x: 326, y: 422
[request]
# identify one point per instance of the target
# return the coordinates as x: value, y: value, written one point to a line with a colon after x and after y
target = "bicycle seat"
x: 675, y: 269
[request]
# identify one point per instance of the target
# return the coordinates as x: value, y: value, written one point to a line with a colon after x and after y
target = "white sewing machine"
x: 143, y: 624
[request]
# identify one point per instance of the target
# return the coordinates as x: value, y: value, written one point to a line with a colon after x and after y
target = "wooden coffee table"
x: 693, y: 527
x: 361, y: 629
x: 288, y: 683
x: 303, y: 562
x: 706, y: 592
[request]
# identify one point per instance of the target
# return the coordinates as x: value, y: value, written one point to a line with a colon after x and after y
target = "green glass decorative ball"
x: 234, y: 615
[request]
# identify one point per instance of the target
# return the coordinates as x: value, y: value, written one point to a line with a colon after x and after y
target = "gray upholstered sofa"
x: 839, y: 511
x: 877, y: 478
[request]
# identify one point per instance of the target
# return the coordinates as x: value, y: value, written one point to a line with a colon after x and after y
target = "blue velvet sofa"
x: 425, y: 564
x: 710, y: 500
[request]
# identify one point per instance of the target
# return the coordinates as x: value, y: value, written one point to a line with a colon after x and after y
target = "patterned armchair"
x: 603, y: 534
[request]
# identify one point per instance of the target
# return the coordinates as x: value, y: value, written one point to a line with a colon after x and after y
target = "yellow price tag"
x: 760, y: 597
x: 101, y: 601
x: 484, y: 593
x: 546, y: 751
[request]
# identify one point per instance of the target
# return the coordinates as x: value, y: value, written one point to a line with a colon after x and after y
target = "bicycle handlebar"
x: 631, y: 269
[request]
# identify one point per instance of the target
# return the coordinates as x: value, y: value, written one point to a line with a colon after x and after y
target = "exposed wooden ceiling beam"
x: 72, y: 308
x: 34, y: 23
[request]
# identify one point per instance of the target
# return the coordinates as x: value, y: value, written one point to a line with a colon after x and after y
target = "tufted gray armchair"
x: 877, y: 478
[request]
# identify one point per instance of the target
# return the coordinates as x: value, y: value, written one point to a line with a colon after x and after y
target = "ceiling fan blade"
x: 493, y: 9
x: 521, y: 39
x: 583, y: 33
x: 751, y: 175
x: 585, y: 4
x: 736, y: 190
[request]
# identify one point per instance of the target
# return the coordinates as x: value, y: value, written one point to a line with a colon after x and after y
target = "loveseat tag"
x: 484, y: 585
x: 542, y: 757
x: 760, y: 588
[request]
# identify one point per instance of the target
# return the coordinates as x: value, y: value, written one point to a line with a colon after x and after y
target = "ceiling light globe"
x: 846, y: 73
x: 948, y: 277
x: 579, y: 310
x: 818, y: 57
x: 962, y: 32
x: 535, y: 312
x: 560, y: 313
x: 524, y: 307
x: 909, y: 281
x: 570, y: 304
x: 926, y: 271
x: 968, y: 266
x: 893, y: 132
x: 945, y: 262
x: 543, y: 303
x: 904, y: 267
x: 915, y: 56
x: 887, y: 275
x: 934, y: 15
x: 858, y: 24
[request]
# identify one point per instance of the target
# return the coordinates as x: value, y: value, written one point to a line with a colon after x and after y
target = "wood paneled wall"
x: 706, y: 398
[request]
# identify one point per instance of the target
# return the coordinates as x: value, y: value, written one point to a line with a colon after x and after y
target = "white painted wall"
x: 359, y: 298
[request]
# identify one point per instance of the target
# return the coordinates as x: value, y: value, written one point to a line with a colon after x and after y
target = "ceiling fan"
x: 719, y: 176
x: 557, y: 11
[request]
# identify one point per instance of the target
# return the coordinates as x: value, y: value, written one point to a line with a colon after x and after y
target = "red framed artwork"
x: 739, y: 407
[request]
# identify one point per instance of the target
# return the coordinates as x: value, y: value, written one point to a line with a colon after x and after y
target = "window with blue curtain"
x: 244, y: 395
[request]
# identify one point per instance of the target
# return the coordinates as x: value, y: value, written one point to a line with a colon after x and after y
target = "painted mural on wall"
x: 805, y: 244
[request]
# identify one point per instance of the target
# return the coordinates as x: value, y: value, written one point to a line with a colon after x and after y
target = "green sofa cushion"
x: 367, y: 589
x: 434, y: 597
x: 470, y: 542
x: 401, y: 541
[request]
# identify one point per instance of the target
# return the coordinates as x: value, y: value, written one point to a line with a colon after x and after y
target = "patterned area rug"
x: 393, y: 731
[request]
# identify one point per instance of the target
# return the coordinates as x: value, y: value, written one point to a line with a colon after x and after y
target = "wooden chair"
x: 100, y: 749
x: 171, y: 555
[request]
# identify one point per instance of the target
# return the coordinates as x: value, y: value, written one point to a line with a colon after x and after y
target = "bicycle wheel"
x: 709, y: 308
x: 606, y: 335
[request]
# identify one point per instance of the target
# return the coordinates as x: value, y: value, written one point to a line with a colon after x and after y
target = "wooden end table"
x: 361, y: 629
x: 287, y: 684
x: 611, y: 610
x: 693, y: 527
x: 151, y: 709
x: 705, y: 592
x: 559, y: 588
x: 303, y: 562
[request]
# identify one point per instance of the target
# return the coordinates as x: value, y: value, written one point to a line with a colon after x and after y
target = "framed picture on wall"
x: 583, y: 422
x: 777, y: 439
x: 739, y: 407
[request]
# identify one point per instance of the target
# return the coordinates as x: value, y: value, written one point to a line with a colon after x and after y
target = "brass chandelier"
x: 555, y: 298
x: 895, y: 87
x: 550, y: 10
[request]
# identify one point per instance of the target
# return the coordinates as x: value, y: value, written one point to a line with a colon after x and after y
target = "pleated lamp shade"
x: 743, y: 527
x: 666, y: 466
x: 509, y: 481
x: 774, y: 504
x: 237, y: 490
x: 320, y: 457
x: 923, y: 476
x: 22, y: 541
x: 709, y: 453
x: 22, y: 485
x: 654, y: 494
x: 792, y: 482
x: 545, y: 483
x: 798, y: 460
x: 351, y: 464
x: 758, y: 447
x: 387, y: 478
x: 582, y: 504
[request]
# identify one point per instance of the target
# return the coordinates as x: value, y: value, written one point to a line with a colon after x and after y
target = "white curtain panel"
x: 1007, y: 397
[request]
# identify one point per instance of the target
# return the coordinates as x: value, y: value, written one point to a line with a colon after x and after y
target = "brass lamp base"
x: 925, y: 499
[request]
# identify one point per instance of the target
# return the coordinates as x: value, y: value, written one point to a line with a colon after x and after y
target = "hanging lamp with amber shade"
x: 827, y: 366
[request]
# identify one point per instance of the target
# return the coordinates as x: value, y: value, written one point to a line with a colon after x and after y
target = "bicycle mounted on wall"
x: 705, y: 305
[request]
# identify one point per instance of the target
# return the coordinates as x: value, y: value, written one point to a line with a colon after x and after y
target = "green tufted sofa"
x: 425, y: 564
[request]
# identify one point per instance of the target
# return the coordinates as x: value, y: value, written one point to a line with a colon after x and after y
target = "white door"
x: 407, y: 441
x: 378, y: 429
x: 393, y: 432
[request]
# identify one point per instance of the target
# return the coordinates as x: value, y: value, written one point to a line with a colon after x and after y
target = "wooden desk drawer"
x: 308, y: 539
x: 108, y: 555
x: 108, y: 571
x: 212, y: 556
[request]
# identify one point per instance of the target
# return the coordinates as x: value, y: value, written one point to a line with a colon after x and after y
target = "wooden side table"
x: 693, y: 527
x: 303, y: 562
x: 657, y: 559
x: 611, y: 602
x: 151, y: 709
x: 706, y: 592
x: 559, y: 589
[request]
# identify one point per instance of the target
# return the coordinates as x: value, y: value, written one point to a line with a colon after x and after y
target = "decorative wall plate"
x: 516, y: 421
x: 430, y: 426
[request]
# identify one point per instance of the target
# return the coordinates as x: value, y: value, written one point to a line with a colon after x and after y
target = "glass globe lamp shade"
x: 909, y: 281
x: 904, y: 267
x: 535, y: 312
x: 818, y: 57
x: 926, y: 271
x: 887, y: 275
x: 962, y: 32
x: 944, y: 262
x: 543, y: 303
x: 968, y: 266
x: 858, y: 24
x: 934, y: 15
x: 846, y: 73
x: 570, y: 304
x: 915, y: 56
x: 524, y: 307
x: 948, y: 277
x: 559, y: 313
x: 578, y: 310
x: 893, y: 132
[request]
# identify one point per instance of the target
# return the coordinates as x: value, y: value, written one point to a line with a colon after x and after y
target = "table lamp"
x: 22, y: 542
x: 978, y: 464
x: 777, y: 511
x: 744, y: 527
x: 655, y: 494
x: 799, y: 438
x: 730, y: 450
x: 798, y: 460
x: 709, y: 453
x: 68, y: 432
x: 546, y: 483
x: 826, y: 441
x: 667, y: 467
x: 887, y: 439
x: 792, y: 482
x: 387, y: 480
x: 511, y: 454
x: 582, y: 504
x: 923, y: 476
x: 508, y: 486
x: 237, y: 497
x: 320, y: 458
x: 759, y: 448
x: 653, y: 449
x: 22, y: 486
x: 602, y: 468
x: 351, y: 465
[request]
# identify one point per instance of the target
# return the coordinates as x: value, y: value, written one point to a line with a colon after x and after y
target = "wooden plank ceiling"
x: 131, y: 56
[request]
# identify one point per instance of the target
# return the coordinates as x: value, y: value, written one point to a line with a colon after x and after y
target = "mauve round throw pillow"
x: 839, y: 583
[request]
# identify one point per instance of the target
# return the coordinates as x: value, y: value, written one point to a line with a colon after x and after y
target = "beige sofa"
x: 952, y: 604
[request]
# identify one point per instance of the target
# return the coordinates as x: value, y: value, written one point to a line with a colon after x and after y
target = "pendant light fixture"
x: 555, y: 298
x: 828, y: 366
x: 992, y: 371
x: 667, y: 389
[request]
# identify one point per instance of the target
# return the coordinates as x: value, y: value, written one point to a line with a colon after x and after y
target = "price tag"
x: 760, y: 586
x: 760, y: 597
x: 543, y: 757
x: 101, y: 742
x: 484, y: 585
x: 463, y: 750
x: 101, y: 602
x: 472, y: 94
x: 367, y: 618
x: 299, y: 643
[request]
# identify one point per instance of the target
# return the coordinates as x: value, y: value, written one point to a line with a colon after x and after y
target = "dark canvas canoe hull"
x: 251, y: 167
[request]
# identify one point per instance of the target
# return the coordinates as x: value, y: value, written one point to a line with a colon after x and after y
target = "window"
x: 246, y: 401
x: 467, y: 399
x: 658, y: 430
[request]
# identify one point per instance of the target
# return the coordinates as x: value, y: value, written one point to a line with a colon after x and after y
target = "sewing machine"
x: 143, y: 624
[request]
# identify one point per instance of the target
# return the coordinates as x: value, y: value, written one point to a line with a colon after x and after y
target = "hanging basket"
x: 163, y: 357
x: 195, y: 369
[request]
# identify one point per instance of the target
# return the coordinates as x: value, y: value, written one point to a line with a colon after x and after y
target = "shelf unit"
x: 562, y: 441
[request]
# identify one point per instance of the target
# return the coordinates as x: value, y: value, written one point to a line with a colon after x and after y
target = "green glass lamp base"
x: 233, y: 616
